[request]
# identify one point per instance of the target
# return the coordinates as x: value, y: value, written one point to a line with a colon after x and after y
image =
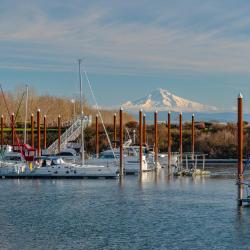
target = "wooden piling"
x: 12, y: 121
x: 59, y: 133
x: 193, y: 137
x: 114, y: 129
x: 156, y: 138
x: 140, y: 138
x: 2, y: 132
x: 38, y: 133
x: 32, y: 131
x: 44, y: 133
x: 169, y: 140
x: 96, y: 137
x: 180, y: 134
x: 240, y: 149
x: 121, y: 142
x: 144, y: 141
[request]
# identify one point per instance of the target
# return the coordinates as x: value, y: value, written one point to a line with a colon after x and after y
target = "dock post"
x: 96, y: 137
x: 156, y: 138
x: 44, y: 132
x: 121, y: 143
x: 193, y: 136
x: 140, y: 138
x: 180, y: 132
x: 59, y: 133
x: 12, y: 121
x: 187, y: 162
x: 144, y: 141
x: 114, y: 129
x: 240, y: 149
x: 32, y: 131
x: 2, y: 133
x: 38, y: 133
x: 169, y: 141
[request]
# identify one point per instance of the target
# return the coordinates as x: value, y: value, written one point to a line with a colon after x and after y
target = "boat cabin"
x: 26, y: 151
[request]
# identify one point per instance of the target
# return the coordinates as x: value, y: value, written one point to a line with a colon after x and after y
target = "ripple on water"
x: 156, y: 213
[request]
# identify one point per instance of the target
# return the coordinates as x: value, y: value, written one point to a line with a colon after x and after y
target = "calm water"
x: 155, y: 213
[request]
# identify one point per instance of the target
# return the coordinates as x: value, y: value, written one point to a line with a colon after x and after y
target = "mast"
x: 26, y: 114
x: 81, y: 109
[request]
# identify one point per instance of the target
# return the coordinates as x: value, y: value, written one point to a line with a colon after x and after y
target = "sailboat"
x: 54, y: 166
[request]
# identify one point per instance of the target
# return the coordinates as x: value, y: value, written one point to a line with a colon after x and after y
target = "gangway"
x: 71, y: 134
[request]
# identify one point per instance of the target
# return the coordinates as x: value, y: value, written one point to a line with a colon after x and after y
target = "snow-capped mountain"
x: 163, y: 100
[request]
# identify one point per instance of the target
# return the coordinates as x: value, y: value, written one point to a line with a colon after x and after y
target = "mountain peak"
x: 162, y: 100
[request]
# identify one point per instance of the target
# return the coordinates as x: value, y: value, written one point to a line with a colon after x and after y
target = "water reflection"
x: 153, y: 210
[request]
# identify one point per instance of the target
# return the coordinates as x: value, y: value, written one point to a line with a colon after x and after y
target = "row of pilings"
x: 143, y: 135
x: 34, y: 125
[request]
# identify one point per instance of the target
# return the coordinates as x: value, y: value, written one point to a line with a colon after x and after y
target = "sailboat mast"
x: 26, y: 114
x: 81, y: 110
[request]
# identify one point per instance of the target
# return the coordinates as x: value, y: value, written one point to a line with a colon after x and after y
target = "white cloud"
x: 125, y: 46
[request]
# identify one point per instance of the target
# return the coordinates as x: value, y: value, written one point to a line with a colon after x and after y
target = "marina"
x: 124, y: 125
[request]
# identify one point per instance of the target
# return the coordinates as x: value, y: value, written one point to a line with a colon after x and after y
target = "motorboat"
x: 131, y: 160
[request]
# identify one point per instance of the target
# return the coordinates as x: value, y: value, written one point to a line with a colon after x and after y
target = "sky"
x: 199, y: 50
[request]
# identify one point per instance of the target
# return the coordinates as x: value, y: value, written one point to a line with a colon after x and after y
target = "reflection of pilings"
x: 240, y: 150
x: 12, y: 129
x: 121, y: 181
x: 144, y: 130
x: 193, y: 132
x: 96, y: 137
x: 169, y: 141
x: 32, y: 131
x: 180, y: 131
x: 121, y: 142
x: 2, y: 134
x: 38, y: 133
x: 44, y: 133
x: 140, y: 138
x: 156, y: 138
x: 114, y: 128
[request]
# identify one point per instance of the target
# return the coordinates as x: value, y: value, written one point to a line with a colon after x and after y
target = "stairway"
x: 72, y: 133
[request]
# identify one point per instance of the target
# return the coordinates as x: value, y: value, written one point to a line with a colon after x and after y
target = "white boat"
x: 69, y: 155
x: 131, y: 160
x: 163, y: 159
x: 55, y: 167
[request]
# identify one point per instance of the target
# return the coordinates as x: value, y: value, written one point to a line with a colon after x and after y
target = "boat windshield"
x: 13, y: 158
x: 106, y: 156
x: 57, y: 161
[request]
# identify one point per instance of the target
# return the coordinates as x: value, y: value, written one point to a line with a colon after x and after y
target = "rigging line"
x: 19, y: 106
x: 5, y: 102
x: 99, y: 113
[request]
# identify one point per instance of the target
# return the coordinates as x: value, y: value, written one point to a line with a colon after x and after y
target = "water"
x: 156, y: 212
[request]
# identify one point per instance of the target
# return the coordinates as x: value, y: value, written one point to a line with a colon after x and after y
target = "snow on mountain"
x: 163, y: 100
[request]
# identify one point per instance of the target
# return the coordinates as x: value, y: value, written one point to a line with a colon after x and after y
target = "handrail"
x: 70, y: 134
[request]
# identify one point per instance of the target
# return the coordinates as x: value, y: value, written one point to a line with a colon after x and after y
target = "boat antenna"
x: 99, y: 112
x: 130, y: 139
x: 81, y: 110
x: 26, y: 114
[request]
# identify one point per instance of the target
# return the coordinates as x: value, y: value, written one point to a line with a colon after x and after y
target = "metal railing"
x: 70, y: 134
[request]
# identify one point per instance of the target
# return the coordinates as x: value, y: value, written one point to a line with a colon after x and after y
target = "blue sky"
x: 197, y: 49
